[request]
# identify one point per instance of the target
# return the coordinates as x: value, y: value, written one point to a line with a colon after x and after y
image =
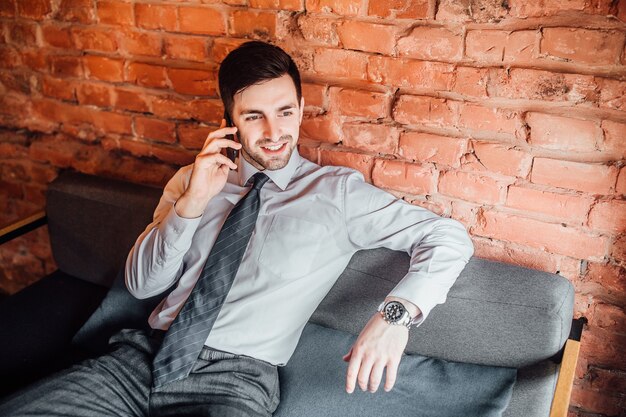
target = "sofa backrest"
x: 496, y: 314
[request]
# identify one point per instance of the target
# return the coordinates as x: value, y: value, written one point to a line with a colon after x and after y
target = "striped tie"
x: 189, y: 330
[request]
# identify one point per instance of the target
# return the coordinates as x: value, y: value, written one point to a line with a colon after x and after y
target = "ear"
x: 301, y: 109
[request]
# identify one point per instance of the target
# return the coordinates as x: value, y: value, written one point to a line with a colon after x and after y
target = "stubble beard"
x: 270, y: 163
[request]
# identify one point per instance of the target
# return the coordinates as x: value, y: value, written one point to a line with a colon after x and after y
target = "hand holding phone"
x: 230, y: 152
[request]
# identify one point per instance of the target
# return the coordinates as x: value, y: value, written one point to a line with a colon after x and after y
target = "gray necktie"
x: 189, y: 330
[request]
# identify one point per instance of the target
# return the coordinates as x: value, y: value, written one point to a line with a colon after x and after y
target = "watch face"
x: 394, y: 311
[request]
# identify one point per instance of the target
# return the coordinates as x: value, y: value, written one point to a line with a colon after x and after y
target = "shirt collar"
x: 280, y: 177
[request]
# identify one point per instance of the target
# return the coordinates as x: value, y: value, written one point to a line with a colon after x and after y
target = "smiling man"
x: 250, y: 248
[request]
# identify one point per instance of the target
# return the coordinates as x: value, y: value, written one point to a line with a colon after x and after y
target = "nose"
x: 271, y: 129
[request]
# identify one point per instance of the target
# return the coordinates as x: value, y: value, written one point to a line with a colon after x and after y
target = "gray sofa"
x: 496, y: 315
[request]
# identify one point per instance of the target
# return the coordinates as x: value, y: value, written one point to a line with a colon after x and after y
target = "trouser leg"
x: 116, y: 384
x: 220, y: 384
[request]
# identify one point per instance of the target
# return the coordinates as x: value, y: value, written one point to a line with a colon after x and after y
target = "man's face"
x: 268, y: 118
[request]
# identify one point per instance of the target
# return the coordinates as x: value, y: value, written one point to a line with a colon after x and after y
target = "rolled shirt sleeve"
x: 439, y: 247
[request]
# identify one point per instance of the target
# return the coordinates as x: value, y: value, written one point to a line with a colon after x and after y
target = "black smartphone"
x: 230, y: 152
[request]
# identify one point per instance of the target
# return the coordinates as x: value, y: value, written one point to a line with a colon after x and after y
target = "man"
x: 250, y: 248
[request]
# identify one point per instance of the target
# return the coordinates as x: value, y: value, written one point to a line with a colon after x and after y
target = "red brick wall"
x: 507, y: 115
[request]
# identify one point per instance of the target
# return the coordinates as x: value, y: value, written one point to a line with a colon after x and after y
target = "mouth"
x: 274, y: 149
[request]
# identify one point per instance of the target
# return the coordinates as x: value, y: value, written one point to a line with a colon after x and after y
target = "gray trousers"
x: 120, y: 384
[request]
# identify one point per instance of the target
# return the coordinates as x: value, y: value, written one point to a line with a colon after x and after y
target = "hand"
x: 379, y: 346
x: 209, y: 173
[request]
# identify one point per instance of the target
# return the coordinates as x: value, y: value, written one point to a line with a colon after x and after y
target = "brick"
x: 194, y: 82
x: 201, y: 20
x: 602, y: 347
x: 567, y: 207
x: 134, y: 42
x: 341, y: 7
x: 423, y: 110
x: 66, y: 66
x: 36, y: 60
x: 607, y: 316
x: 431, y: 44
x: 401, y: 9
x: 223, y: 46
x: 294, y: 5
x: 23, y: 33
x: 487, y: 119
x: 549, y: 237
x: 614, y: 145
x: 207, y: 110
x: 620, y: 188
x: 424, y: 147
x: 563, y: 133
x: 471, y: 81
x: 369, y: 37
x: 318, y: 30
x: 612, y: 93
x: 485, y: 45
x: 81, y: 11
x: 470, y: 187
x: 309, y: 152
x: 481, y: 11
x: 609, y: 216
x: 107, y: 122
x: 322, y: 128
x: 54, y: 35
x: 8, y: 8
x: 606, y: 380
x: 255, y: 24
x: 155, y: 129
x: 171, y: 155
x: 94, y: 39
x: 185, y: 47
x: 495, y: 157
x: 104, y: 69
x: 360, y: 103
x: 115, y: 13
x: 514, y: 254
x: 611, y: 278
x: 146, y: 75
x: 542, y: 85
x: 314, y: 96
x: 598, y: 403
x: 409, y: 73
x: 34, y: 9
x: 340, y: 63
x: 10, y: 57
x: 371, y: 137
x: 521, y: 46
x: 361, y: 162
x: 402, y: 176
x: 525, y: 9
x: 131, y: 99
x: 192, y: 136
x: 585, y: 46
x: 592, y: 178
x: 156, y: 16
x: 94, y: 94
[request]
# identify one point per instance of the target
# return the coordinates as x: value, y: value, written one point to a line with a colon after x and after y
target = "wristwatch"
x: 395, y: 313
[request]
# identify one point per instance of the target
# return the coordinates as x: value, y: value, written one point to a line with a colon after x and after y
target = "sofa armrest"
x: 22, y: 226
x: 567, y: 370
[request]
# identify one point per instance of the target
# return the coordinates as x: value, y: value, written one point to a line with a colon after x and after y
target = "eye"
x: 286, y: 113
x: 252, y: 117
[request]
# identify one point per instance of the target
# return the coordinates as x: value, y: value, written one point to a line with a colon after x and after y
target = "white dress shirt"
x: 311, y: 221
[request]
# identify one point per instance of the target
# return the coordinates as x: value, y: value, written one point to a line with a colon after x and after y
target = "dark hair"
x: 252, y: 63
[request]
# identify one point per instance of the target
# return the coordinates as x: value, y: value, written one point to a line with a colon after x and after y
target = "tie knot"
x: 258, y: 180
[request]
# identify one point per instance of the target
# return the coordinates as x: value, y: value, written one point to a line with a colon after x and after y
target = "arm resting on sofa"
x: 563, y: 391
x: 22, y: 226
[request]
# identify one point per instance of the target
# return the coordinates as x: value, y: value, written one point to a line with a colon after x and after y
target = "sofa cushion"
x: 425, y: 387
x: 496, y: 314
x: 93, y: 223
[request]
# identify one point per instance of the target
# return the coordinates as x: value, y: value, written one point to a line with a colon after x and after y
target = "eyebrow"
x: 254, y: 111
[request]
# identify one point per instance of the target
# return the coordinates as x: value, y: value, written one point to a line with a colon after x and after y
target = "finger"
x: 376, y: 376
x: 347, y: 356
x: 223, y: 124
x: 215, y: 159
x: 392, y: 371
x: 216, y: 145
x: 364, y: 374
x: 353, y: 372
x: 220, y: 133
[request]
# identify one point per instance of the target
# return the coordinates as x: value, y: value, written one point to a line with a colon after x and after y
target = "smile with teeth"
x: 274, y: 148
